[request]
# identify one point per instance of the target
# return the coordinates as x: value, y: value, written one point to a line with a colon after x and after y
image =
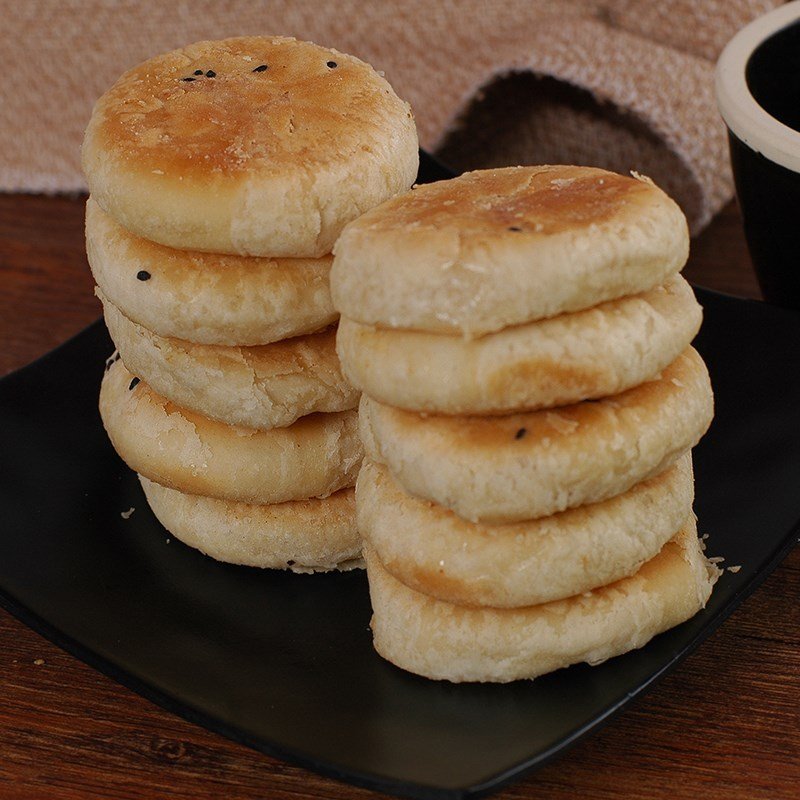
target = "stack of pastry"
x: 220, y: 175
x: 522, y: 339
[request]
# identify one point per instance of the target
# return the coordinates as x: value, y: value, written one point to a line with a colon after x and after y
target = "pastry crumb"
x: 127, y: 514
x: 735, y: 568
x: 643, y: 178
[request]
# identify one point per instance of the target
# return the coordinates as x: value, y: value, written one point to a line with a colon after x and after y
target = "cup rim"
x: 745, y: 118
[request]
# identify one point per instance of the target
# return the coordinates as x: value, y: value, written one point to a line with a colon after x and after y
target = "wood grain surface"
x: 724, y: 725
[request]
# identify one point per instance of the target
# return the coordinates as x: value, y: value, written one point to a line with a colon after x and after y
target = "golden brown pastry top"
x: 243, y: 103
x: 541, y: 200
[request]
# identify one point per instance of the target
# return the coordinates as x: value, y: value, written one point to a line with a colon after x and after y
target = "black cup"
x: 758, y: 93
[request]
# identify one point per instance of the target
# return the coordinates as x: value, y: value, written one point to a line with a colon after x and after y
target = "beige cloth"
x: 624, y: 84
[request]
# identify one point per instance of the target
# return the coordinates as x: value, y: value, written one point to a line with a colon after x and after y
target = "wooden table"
x: 726, y: 724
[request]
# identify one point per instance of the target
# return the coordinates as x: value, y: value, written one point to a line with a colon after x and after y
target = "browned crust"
x: 539, y: 201
x: 297, y: 113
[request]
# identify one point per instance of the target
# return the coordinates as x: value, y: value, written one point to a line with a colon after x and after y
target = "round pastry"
x: 315, y: 457
x: 449, y: 642
x: 315, y: 535
x: 503, y: 247
x: 263, y: 387
x: 435, y: 552
x: 258, y: 145
x: 207, y: 298
x: 584, y: 354
x: 525, y: 466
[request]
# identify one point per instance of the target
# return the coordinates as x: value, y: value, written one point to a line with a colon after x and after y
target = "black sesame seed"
x: 211, y: 74
x: 198, y: 72
x: 132, y: 384
x: 290, y: 563
x: 260, y: 68
x: 188, y: 79
x: 143, y: 275
x: 515, y: 228
x: 520, y: 433
x: 332, y: 64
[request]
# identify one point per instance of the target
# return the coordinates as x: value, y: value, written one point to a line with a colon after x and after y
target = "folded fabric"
x: 621, y: 84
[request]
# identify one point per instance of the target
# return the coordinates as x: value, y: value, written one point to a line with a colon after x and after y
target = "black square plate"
x: 284, y: 663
